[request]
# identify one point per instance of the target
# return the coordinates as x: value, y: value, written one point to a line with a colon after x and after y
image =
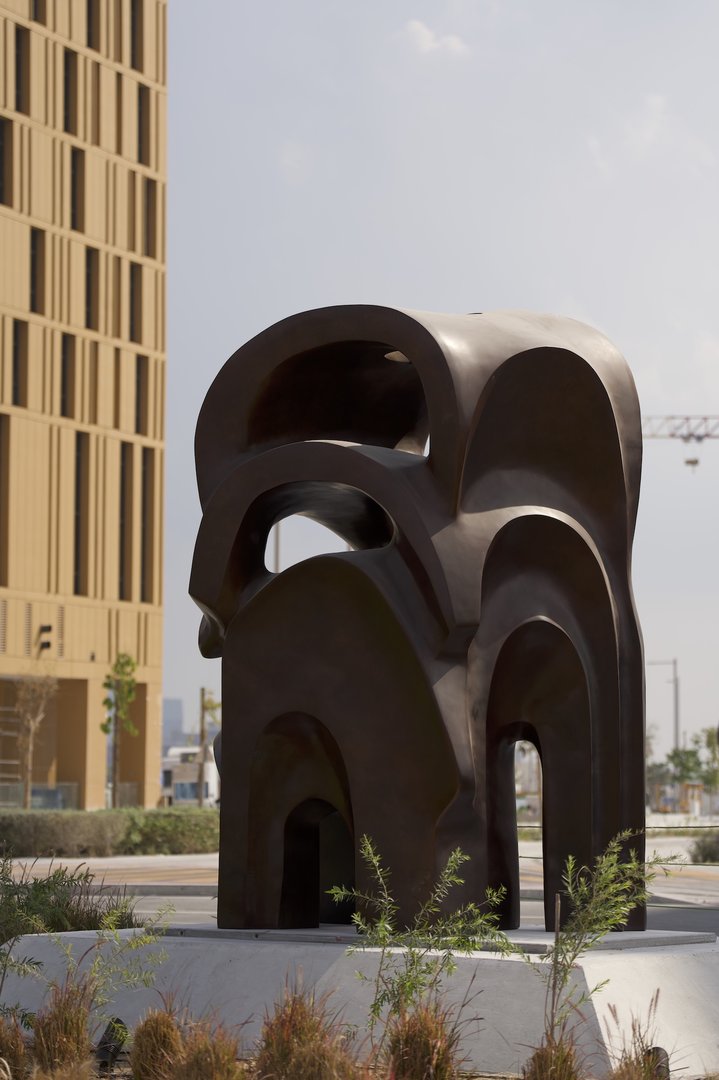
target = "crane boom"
x: 688, y: 428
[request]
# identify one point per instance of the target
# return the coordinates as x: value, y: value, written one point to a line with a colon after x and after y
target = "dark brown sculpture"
x: 487, y: 600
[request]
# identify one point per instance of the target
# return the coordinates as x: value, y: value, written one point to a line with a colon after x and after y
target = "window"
x: 117, y: 390
x: 125, y: 576
x: 22, y: 69
x: 93, y: 24
x: 82, y: 517
x: 148, y: 525
x: 37, y: 271
x: 19, y: 363
x: 95, y: 105
x: 118, y: 113
x: 116, y: 305
x: 77, y: 189
x: 4, y: 495
x: 117, y: 51
x: 131, y: 209
x: 137, y: 42
x: 39, y: 11
x: 167, y: 778
x: 67, y: 376
x: 149, y: 219
x: 92, y: 287
x: 94, y: 376
x: 5, y: 161
x: 141, y: 388
x: 70, y: 92
x: 135, y: 302
x: 143, y: 124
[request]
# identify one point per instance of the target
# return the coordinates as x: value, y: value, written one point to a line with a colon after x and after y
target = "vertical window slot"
x: 125, y: 576
x: 19, y: 363
x: 70, y: 92
x: 22, y: 69
x: 135, y: 302
x: 77, y: 189
x: 67, y: 376
x: 82, y: 516
x: 92, y: 287
x: 148, y: 525
x: 6, y: 161
x: 37, y: 271
x: 143, y: 124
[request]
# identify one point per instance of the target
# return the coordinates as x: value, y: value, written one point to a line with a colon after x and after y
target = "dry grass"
x: 156, y: 1046
x: 13, y: 1050
x: 423, y: 1044
x: 210, y: 1053
x: 301, y: 1041
x: 554, y: 1060
x: 79, y: 1070
x: 60, y: 1029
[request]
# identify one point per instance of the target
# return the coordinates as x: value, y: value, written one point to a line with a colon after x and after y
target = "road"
x: 686, y: 898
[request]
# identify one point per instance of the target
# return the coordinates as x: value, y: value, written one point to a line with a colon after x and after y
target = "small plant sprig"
x: 600, y: 900
x: 414, y: 960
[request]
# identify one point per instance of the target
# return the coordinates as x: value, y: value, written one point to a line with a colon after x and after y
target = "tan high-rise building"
x: 82, y: 379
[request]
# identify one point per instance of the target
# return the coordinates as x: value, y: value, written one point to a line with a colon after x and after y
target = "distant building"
x: 173, y: 723
x: 82, y: 379
x: 181, y: 774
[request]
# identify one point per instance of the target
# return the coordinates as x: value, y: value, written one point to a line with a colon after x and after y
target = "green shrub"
x: 61, y: 901
x: 705, y: 848
x: 131, y: 831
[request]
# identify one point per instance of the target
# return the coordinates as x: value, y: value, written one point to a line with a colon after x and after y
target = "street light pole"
x: 675, y: 680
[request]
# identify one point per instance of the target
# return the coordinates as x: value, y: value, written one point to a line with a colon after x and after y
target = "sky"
x: 458, y: 156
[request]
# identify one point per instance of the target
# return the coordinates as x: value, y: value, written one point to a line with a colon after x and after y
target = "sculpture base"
x: 237, y: 975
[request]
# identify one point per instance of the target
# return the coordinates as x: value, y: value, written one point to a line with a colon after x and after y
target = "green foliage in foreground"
x: 60, y: 902
x: 414, y: 960
x: 130, y: 831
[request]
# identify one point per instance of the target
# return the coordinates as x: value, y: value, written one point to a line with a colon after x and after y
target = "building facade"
x: 82, y: 378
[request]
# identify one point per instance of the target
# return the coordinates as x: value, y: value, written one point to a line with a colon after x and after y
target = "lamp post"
x: 675, y: 680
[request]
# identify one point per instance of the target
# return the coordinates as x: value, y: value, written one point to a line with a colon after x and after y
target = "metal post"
x: 203, y: 740
x: 676, y: 704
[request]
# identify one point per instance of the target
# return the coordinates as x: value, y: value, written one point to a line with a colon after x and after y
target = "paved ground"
x: 687, y: 898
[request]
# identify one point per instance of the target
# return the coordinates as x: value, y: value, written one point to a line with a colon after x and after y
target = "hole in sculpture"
x: 318, y: 853
x: 297, y: 538
x: 350, y: 391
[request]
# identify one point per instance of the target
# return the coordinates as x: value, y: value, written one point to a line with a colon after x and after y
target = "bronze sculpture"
x: 487, y: 599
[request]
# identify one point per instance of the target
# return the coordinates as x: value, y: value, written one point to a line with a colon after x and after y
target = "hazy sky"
x: 459, y: 156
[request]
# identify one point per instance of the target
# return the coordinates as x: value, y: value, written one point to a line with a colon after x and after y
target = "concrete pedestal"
x: 236, y: 976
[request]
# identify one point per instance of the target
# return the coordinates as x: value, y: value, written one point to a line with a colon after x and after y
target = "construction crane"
x: 687, y: 428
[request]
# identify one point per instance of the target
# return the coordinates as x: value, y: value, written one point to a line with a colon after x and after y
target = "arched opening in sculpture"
x: 318, y: 853
x: 298, y: 537
x: 300, y: 792
x: 539, y: 694
x: 351, y: 391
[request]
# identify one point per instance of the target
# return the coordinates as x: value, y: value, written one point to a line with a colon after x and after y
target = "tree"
x: 209, y: 706
x: 121, y: 687
x: 686, y: 764
x: 33, y: 694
